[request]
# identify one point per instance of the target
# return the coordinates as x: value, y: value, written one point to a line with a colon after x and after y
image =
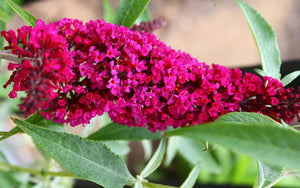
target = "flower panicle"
x: 72, y: 72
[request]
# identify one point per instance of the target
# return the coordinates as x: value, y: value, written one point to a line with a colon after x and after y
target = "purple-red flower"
x: 44, y: 70
x: 84, y: 70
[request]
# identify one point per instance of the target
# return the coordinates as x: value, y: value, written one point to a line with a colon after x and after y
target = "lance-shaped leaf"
x: 263, y: 141
x: 114, y: 131
x: 26, y: 16
x: 290, y: 77
x: 87, y: 159
x: 156, y: 159
x: 191, y: 179
x: 129, y: 11
x: 265, y: 39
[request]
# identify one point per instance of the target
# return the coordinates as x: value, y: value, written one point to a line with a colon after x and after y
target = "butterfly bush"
x: 72, y: 72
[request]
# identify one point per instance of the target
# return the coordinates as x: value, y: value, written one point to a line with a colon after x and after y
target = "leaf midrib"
x: 86, y: 159
x: 127, y: 12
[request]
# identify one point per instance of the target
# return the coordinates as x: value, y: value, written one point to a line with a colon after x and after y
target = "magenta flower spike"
x: 72, y: 72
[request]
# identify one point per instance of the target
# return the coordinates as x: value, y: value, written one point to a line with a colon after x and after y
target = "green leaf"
x: 265, y: 39
x: 268, y: 175
x: 35, y: 119
x: 108, y: 11
x: 115, y: 131
x: 3, y: 16
x: 260, y: 72
x: 138, y: 184
x: 194, y: 151
x: 89, y: 160
x: 129, y: 11
x: 5, y: 7
x: 290, y: 77
x: 172, y: 148
x: 191, y: 179
x: 39, y: 120
x: 156, y: 159
x: 144, y: 17
x: 26, y: 16
x: 263, y: 141
x: 249, y: 117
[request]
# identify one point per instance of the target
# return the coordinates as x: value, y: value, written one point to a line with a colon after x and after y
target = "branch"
x: 36, y: 172
x: 6, y: 54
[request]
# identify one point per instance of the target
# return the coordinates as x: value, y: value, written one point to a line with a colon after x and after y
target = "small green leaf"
x: 3, y: 16
x: 263, y: 141
x: 89, y: 160
x: 129, y: 11
x: 268, y: 175
x: 156, y: 159
x: 265, y: 39
x: 108, y: 11
x: 260, y: 72
x: 290, y: 77
x: 194, y: 151
x: 191, y: 179
x: 172, y: 148
x: 115, y: 131
x: 26, y: 16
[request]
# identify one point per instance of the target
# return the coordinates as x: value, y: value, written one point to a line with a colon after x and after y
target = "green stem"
x: 36, y: 172
x: 6, y: 54
x: 10, y: 133
x: 4, y: 133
